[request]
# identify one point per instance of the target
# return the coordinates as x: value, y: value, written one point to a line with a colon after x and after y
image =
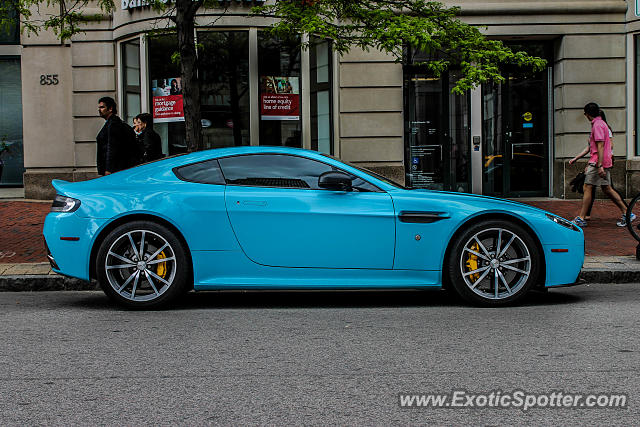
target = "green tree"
x: 387, y: 25
x: 392, y: 25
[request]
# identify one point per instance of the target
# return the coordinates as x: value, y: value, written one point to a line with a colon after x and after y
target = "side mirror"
x: 334, y: 180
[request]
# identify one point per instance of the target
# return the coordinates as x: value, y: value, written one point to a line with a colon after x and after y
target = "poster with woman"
x: 167, y: 100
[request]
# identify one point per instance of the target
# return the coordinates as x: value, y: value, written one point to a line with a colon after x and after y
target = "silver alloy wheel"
x: 140, y: 265
x: 495, y: 263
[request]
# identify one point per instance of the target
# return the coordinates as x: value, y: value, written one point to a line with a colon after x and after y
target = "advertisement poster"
x: 279, y: 98
x: 167, y: 100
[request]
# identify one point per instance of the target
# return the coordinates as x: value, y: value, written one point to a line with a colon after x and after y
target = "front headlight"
x: 64, y: 204
x: 563, y: 222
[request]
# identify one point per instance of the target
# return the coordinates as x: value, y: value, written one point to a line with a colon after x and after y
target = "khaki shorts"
x: 592, y: 177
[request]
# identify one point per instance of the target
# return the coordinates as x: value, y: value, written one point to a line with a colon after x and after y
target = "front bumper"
x: 563, y: 268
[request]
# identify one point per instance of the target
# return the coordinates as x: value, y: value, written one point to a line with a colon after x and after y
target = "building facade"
x: 512, y: 139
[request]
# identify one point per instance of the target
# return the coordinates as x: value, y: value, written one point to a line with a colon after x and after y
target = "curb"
x: 48, y: 282
x: 610, y: 276
x: 45, y: 282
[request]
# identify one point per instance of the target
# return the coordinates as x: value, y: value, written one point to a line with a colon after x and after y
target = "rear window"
x: 207, y: 172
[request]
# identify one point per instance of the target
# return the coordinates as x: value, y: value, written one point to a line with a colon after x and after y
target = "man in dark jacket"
x: 147, y: 137
x: 114, y: 151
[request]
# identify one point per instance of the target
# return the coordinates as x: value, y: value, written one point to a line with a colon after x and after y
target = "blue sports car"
x: 285, y: 218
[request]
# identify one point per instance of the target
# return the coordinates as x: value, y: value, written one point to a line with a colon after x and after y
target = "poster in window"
x: 279, y: 98
x: 167, y: 100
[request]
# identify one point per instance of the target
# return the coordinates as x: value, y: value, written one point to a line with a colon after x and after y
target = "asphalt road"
x: 313, y: 358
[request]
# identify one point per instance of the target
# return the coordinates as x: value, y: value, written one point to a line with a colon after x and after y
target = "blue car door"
x: 282, y: 219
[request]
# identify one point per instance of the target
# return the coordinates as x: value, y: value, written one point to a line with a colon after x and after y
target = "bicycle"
x: 634, y: 227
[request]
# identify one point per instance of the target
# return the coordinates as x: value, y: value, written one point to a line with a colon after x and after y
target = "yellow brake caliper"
x: 472, y: 263
x: 162, y: 266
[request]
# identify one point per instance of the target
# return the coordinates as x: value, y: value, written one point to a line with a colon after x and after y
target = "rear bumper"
x: 70, y: 257
x: 50, y: 258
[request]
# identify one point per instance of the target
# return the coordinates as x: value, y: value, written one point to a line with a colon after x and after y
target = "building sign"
x: 279, y: 98
x: 426, y: 166
x: 139, y: 4
x: 167, y: 100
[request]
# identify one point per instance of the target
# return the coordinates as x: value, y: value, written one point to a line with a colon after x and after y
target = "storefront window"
x: 637, y: 109
x: 226, y: 97
x: 224, y: 87
x: 131, y: 79
x: 280, y: 84
x: 11, y: 33
x: 320, y: 79
x: 11, y: 159
x: 164, y: 82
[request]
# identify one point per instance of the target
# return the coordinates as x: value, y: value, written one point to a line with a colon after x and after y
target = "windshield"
x: 367, y: 171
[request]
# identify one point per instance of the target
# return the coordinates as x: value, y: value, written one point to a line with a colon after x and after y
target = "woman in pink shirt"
x: 598, y: 172
x: 586, y: 151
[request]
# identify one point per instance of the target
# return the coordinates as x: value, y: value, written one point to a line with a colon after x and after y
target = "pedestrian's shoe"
x: 622, y: 222
x: 579, y: 222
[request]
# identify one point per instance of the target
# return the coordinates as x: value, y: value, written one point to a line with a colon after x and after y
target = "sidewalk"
x: 610, y: 249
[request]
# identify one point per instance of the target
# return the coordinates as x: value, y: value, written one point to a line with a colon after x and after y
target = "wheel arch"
x: 492, y: 216
x: 129, y: 218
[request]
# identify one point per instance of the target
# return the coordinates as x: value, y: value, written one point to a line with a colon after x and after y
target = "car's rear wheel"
x: 142, y: 264
x: 494, y: 263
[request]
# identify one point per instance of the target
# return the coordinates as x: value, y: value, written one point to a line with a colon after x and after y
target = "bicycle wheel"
x: 633, y: 223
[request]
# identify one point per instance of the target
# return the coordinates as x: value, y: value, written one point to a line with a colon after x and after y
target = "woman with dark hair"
x: 584, y: 152
x: 598, y: 171
x: 175, y: 88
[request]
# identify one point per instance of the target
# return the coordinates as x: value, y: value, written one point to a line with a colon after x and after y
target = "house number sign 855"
x: 49, y: 79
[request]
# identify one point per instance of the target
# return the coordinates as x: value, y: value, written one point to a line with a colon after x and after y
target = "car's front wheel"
x: 494, y: 263
x: 142, y: 264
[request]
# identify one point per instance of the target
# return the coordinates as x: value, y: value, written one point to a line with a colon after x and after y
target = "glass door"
x: 516, y: 135
x: 436, y: 133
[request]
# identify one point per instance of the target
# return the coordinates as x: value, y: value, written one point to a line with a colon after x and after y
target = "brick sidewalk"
x: 603, y: 237
x: 21, y: 229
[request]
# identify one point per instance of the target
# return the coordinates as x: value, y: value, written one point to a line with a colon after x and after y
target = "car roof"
x: 235, y: 151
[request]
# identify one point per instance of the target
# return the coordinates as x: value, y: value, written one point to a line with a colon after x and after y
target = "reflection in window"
x: 11, y: 121
x: 203, y: 172
x: 224, y: 87
x: 10, y: 33
x: 131, y: 79
x: 281, y: 170
x: 320, y: 96
x: 273, y: 171
x: 161, y: 71
x: 280, y: 84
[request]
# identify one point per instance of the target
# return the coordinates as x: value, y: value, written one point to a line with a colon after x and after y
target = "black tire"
x: 161, y: 278
x: 632, y: 226
x: 474, y: 268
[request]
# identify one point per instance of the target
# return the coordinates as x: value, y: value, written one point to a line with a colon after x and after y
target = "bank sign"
x: 139, y: 4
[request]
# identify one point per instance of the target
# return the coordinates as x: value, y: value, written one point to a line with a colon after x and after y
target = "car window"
x: 203, y: 172
x: 369, y: 172
x: 280, y: 170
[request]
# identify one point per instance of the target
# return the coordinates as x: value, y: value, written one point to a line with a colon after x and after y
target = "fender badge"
x: 418, y: 237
